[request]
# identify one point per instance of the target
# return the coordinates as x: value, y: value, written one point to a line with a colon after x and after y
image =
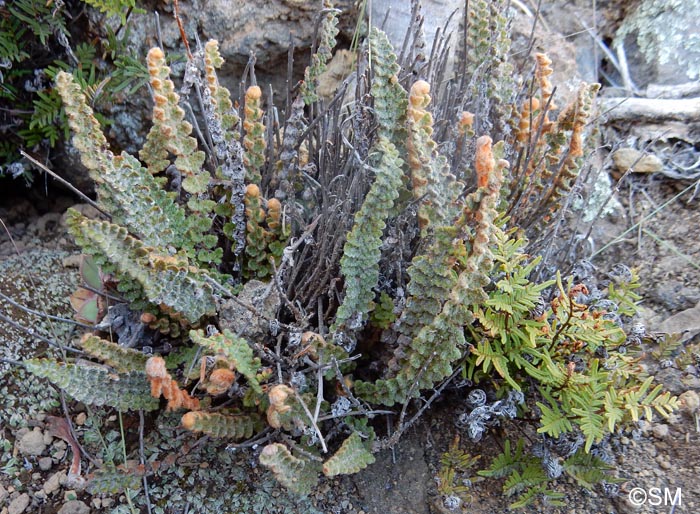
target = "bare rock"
x: 45, y: 463
x: 629, y: 158
x: 54, y: 482
x: 74, y: 507
x: 241, y: 320
x: 690, y: 402
x: 660, y: 431
x: 660, y: 41
x: 19, y: 504
x: 686, y: 322
x: 338, y: 68
x: 32, y: 443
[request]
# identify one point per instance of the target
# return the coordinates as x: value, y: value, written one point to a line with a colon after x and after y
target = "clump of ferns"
x: 383, y: 186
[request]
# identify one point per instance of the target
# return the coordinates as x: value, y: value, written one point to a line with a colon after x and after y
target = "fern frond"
x: 326, y: 36
x: 118, y: 8
x: 162, y: 384
x: 170, y: 132
x: 553, y: 421
x: 361, y: 253
x: 112, y: 480
x: 219, y: 424
x: 297, y: 475
x: 236, y: 350
x: 390, y: 98
x: 164, y: 279
x: 95, y: 385
x: 126, y: 189
x: 254, y: 138
x: 350, y: 458
x: 587, y: 469
x: 122, y: 359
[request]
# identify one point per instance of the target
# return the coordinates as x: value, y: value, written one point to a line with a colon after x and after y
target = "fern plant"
x: 384, y: 239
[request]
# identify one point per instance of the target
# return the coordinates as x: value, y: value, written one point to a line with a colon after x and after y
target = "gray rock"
x: 660, y: 431
x: 32, y: 443
x: 690, y: 402
x: 54, y: 482
x: 686, y: 322
x: 19, y: 504
x: 45, y: 463
x: 74, y: 507
x: 241, y: 320
x: 3, y: 494
x: 661, y: 42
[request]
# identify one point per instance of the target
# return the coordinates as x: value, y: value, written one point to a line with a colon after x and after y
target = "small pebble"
x: 53, y: 483
x: 32, y: 443
x: 626, y: 158
x: 690, y: 401
x: 80, y: 419
x: 74, y: 507
x: 19, y: 504
x: 644, y: 426
x: 660, y: 431
x: 45, y: 463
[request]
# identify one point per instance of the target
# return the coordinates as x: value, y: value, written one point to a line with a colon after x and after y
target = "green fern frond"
x: 165, y: 280
x: 361, y: 253
x: 505, y: 462
x: 297, y: 475
x: 118, y: 8
x: 350, y: 458
x: 553, y: 421
x: 390, y: 98
x: 111, y: 480
x: 236, y: 350
x: 326, y: 42
x: 220, y: 424
x: 94, y: 385
x: 588, y: 470
x: 122, y: 359
x: 170, y: 132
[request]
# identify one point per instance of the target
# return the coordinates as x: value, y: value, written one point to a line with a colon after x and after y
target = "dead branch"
x: 650, y: 109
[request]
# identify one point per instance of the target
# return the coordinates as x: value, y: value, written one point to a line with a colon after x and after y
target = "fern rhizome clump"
x: 288, y: 283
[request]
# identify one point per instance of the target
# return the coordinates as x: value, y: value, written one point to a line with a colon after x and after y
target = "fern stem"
x: 311, y: 419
